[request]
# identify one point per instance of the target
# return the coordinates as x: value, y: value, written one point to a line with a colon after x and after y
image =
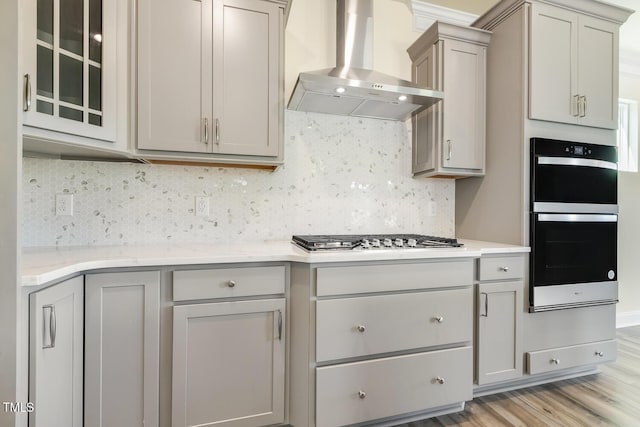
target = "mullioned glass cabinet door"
x: 69, y: 67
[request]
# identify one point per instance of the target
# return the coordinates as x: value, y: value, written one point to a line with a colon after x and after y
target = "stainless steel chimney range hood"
x: 352, y: 88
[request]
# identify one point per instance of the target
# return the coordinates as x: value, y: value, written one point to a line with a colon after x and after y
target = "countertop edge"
x: 41, y: 266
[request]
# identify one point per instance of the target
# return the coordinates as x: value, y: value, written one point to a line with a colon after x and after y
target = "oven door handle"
x: 577, y: 218
x: 572, y: 161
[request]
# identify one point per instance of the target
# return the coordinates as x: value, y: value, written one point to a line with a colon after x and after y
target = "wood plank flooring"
x: 610, y: 398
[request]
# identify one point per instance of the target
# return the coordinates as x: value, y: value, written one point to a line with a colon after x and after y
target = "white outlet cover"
x: 64, y: 204
x: 202, y: 206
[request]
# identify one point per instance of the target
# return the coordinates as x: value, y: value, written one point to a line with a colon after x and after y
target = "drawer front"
x: 363, y: 391
x: 498, y: 268
x: 393, y: 277
x: 351, y: 327
x: 570, y: 357
x: 228, y: 282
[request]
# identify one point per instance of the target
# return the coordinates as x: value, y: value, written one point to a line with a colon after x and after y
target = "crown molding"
x: 425, y: 14
x: 629, y: 63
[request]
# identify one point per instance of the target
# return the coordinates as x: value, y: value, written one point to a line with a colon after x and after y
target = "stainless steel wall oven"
x: 573, y: 225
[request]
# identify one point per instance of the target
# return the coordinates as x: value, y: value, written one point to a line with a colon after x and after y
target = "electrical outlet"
x: 64, y: 204
x: 202, y: 206
x: 433, y: 210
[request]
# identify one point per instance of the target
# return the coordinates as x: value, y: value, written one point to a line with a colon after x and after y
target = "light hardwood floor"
x: 610, y: 398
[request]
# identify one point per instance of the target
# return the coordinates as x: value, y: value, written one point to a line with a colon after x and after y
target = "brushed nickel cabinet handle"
x: 26, y: 104
x: 280, y: 325
x: 505, y: 269
x: 584, y: 106
x: 439, y: 319
x: 206, y: 131
x: 486, y: 304
x: 52, y: 325
x: 575, y: 106
x: 362, y: 394
x: 231, y: 283
x: 449, y: 151
x: 361, y: 328
x: 599, y: 353
x: 439, y: 380
x: 555, y: 361
x: 217, y: 132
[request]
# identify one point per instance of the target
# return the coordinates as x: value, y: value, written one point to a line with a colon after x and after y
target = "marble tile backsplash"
x: 341, y: 175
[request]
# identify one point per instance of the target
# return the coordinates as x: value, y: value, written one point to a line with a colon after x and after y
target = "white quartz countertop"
x: 45, y: 265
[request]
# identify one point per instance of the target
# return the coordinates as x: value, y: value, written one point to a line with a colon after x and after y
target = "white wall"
x: 628, y: 224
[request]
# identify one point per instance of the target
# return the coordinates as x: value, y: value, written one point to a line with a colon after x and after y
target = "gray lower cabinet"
x: 499, y: 311
x: 228, y: 363
x: 55, y: 355
x: 380, y: 342
x: 122, y: 326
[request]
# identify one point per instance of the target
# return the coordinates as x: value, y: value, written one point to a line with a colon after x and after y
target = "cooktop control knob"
x: 375, y: 243
x: 412, y: 243
x: 399, y: 242
x: 365, y: 244
x: 387, y: 243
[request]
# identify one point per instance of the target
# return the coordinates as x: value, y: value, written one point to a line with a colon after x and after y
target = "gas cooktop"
x: 372, y: 241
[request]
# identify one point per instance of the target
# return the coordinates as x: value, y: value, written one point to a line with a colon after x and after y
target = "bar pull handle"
x: 486, y: 304
x: 575, y: 106
x: 280, y: 325
x: 51, y: 330
x: 584, y: 106
x: 449, y: 151
x: 206, y: 131
x: 26, y: 102
x: 217, y: 132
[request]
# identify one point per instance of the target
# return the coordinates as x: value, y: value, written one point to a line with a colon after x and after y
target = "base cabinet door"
x: 55, y: 355
x: 499, y: 352
x: 228, y: 364
x: 122, y: 349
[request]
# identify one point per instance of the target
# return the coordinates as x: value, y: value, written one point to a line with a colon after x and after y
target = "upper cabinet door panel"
x: 553, y: 59
x: 573, y: 68
x: 172, y: 102
x: 598, y: 79
x: 70, y: 67
x: 246, y: 51
x: 464, y: 87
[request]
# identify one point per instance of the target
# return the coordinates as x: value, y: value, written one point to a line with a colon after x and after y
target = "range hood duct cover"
x: 352, y: 88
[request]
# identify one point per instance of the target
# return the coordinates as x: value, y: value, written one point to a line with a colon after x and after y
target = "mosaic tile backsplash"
x: 341, y: 175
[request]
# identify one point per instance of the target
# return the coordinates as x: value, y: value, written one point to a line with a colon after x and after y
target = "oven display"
x: 578, y: 150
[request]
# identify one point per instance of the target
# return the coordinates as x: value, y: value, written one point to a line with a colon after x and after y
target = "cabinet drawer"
x: 351, y: 327
x: 569, y: 357
x: 228, y: 282
x: 498, y: 268
x: 363, y: 391
x: 393, y: 277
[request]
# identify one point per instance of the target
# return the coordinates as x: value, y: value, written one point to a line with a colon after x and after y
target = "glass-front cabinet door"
x: 70, y: 67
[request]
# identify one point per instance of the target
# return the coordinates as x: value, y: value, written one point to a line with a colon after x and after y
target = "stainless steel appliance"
x: 372, y: 241
x: 352, y: 88
x: 573, y: 225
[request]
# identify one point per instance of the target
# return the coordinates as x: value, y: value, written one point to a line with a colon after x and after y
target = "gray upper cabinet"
x: 211, y: 89
x: 573, y: 68
x: 449, y: 137
x: 74, y: 84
